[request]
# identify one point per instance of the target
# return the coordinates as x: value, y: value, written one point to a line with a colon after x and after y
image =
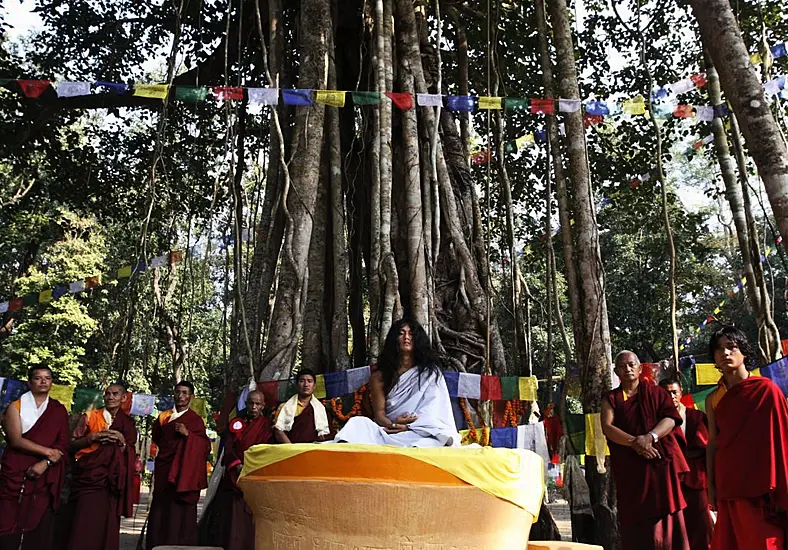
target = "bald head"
x: 255, y: 402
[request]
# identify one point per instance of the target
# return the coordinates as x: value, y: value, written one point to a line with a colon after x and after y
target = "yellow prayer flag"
x: 522, y: 141
x: 155, y: 91
x: 527, y: 388
x: 595, y: 439
x: 64, y: 394
x: 635, y: 106
x: 333, y: 98
x: 199, y: 406
x: 755, y: 58
x: 717, y: 310
x: 744, y: 280
x: 706, y: 374
x: 487, y: 102
x: 45, y: 296
x: 124, y: 272
x: 755, y: 372
x: 320, y: 386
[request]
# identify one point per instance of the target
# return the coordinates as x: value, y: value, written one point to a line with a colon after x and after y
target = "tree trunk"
x: 596, y: 364
x: 739, y: 80
x: 298, y: 201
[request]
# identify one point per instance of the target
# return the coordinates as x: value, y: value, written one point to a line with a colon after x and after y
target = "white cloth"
x: 704, y: 113
x: 357, y: 378
x: 176, y: 415
x: 263, y: 96
x: 427, y: 398
x: 683, y: 85
x: 29, y: 412
x: 284, y: 421
x: 72, y: 89
x: 429, y: 100
x: 142, y: 404
x: 568, y: 105
x: 532, y: 437
x: 469, y: 386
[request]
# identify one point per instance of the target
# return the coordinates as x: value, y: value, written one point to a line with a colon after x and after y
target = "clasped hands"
x: 400, y: 424
x: 108, y: 437
x: 644, y: 446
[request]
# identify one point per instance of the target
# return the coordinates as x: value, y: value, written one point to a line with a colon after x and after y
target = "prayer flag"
x: 270, y: 390
x: 429, y: 100
x: 699, y: 80
x: 697, y: 145
x: 336, y: 384
x: 683, y: 111
x: 510, y: 387
x: 15, y: 304
x: 92, y: 282
x: 569, y: 105
x: 542, y: 106
x: 532, y: 438
x: 228, y: 93
x: 592, y: 120
x: 13, y: 391
x: 540, y: 136
x: 143, y: 404
x: 199, y: 406
x: 320, y: 387
x: 452, y: 382
x: 76, y: 286
x: 469, y: 385
x: 490, y: 389
x: 86, y: 399
x: 124, y: 272
x: 45, y: 296
x: 504, y: 438
x: 516, y: 103
x: 522, y: 141
x: 176, y: 256
x: 596, y: 443
x: 30, y: 299
x: 158, y: 261
x: 635, y: 106
x: 332, y: 98
x: 365, y: 98
x: 597, y: 108
x: 72, y: 89
x: 286, y: 390
x: 721, y: 110
x: 59, y: 290
x: 708, y: 139
x: 62, y: 393
x: 664, y: 110
x: 115, y: 87
x: 778, y: 373
x: 706, y: 374
x: 487, y: 102
x: 683, y: 85
x: 155, y: 91
x: 33, y: 88
x: 403, y: 100
x: 357, y: 378
x: 461, y: 103
x: 510, y: 147
x: 191, y: 94
x: 772, y: 87
x: 704, y: 113
x: 480, y: 157
x: 755, y: 58
x: 528, y: 388
x: 659, y: 93
x: 778, y: 50
x: 297, y: 97
x: 3, y: 307
x: 263, y: 96
x: 164, y: 402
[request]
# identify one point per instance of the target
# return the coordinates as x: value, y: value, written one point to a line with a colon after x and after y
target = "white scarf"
x: 29, y: 412
x: 683, y: 413
x: 287, y: 416
x: 176, y: 415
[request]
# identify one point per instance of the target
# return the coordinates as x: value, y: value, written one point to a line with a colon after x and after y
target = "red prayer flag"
x: 482, y: 157
x: 699, y: 79
x: 697, y: 145
x: 543, y: 106
x: 592, y: 120
x: 784, y: 346
x: 92, y: 282
x: 490, y: 388
x: 176, y: 256
x: 683, y: 111
x: 15, y: 304
x: 33, y: 88
x: 688, y: 401
x: 228, y: 93
x: 634, y: 184
x: 270, y: 391
x: 402, y: 100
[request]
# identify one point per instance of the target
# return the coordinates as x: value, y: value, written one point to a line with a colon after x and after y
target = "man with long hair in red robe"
x: 228, y: 522
x: 747, y: 458
x: 638, y: 420
x: 302, y: 418
x: 179, y: 474
x: 693, y: 437
x: 32, y: 469
x: 102, y: 487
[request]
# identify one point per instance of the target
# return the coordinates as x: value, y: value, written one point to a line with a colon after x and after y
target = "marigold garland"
x: 473, y: 435
x: 512, y: 413
x: 336, y: 405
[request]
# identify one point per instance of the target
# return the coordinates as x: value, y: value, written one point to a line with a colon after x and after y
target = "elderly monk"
x: 180, y: 472
x: 302, y: 418
x: 747, y: 458
x: 638, y: 420
x: 102, y: 487
x: 32, y: 469
x: 228, y: 522
x: 693, y: 436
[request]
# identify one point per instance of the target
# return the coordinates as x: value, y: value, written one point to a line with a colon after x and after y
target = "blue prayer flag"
x: 452, y: 382
x: 116, y: 87
x: 336, y: 384
x: 461, y: 103
x: 779, y: 50
x: 597, y: 108
x: 297, y: 97
x: 504, y: 437
x: 164, y: 402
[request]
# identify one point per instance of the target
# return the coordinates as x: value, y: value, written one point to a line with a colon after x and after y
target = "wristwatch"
x: 654, y: 436
x: 49, y: 462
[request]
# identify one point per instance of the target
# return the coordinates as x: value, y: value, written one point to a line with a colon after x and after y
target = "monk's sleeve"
x: 192, y: 474
x: 63, y: 435
x: 129, y: 457
x: 156, y: 432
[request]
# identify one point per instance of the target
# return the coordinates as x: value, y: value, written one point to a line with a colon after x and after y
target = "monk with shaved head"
x: 228, y: 521
x: 102, y: 488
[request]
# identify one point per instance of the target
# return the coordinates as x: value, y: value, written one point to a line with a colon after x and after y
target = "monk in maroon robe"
x: 302, y: 419
x: 638, y: 420
x: 693, y: 437
x: 179, y: 474
x: 102, y: 487
x: 32, y: 469
x: 228, y: 522
x: 747, y: 459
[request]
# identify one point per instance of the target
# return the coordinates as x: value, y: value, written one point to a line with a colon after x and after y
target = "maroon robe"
x: 228, y: 522
x: 102, y: 489
x: 29, y: 509
x: 697, y: 516
x: 303, y: 430
x: 179, y: 475
x: 650, y: 501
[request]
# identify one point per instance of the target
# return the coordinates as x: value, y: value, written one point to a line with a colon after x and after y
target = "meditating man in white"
x: 410, y: 399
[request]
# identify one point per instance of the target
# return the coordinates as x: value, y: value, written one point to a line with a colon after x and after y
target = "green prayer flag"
x: 193, y: 94
x: 365, y: 98
x: 286, y: 390
x: 700, y: 397
x: 86, y: 399
x: 30, y: 299
x: 510, y: 387
x: 516, y: 103
x: 510, y: 147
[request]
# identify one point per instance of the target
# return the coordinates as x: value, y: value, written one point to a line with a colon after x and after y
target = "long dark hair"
x: 738, y: 337
x: 424, y: 358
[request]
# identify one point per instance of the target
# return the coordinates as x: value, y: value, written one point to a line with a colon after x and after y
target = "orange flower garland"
x: 336, y: 405
x: 472, y: 436
x: 512, y: 413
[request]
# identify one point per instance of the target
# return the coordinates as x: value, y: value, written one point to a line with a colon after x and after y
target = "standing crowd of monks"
x: 673, y: 466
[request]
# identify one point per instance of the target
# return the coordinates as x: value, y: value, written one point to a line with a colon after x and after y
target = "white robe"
x: 425, y: 396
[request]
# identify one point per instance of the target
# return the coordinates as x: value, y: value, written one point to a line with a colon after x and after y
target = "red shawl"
x: 752, y: 442
x: 255, y: 432
x: 693, y: 440
x: 181, y: 460
x: 51, y: 430
x: 646, y: 489
x: 108, y: 467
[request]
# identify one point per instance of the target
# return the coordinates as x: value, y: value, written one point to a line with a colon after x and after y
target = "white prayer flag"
x: 429, y: 100
x: 469, y: 386
x: 568, y: 105
x: 357, y: 378
x: 772, y: 87
x: 72, y: 89
x: 708, y: 139
x: 263, y: 96
x: 3, y: 307
x: 76, y: 286
x: 159, y: 261
x: 142, y: 404
x: 704, y: 113
x: 684, y: 85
